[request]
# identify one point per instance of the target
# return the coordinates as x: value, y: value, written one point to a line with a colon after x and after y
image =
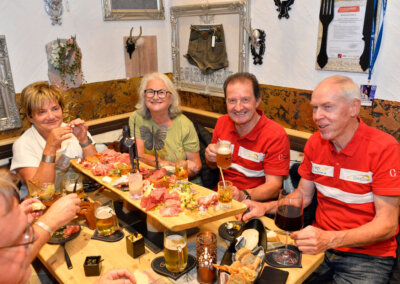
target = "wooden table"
x: 186, y: 220
x: 115, y: 256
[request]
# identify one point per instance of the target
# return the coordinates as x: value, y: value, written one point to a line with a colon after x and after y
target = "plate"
x: 229, y: 234
x: 58, y: 236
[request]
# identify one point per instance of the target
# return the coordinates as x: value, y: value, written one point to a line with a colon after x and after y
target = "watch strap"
x: 246, y: 195
x: 89, y: 142
x: 48, y: 159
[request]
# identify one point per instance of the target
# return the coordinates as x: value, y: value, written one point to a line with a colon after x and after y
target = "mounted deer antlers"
x: 131, y: 42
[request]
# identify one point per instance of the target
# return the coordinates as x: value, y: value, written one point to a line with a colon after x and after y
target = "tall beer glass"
x: 175, y: 250
x: 224, y: 154
x: 106, y: 219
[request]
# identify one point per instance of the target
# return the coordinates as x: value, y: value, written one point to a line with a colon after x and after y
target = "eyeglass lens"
x: 161, y: 93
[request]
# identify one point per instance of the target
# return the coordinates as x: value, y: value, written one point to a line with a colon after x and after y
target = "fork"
x: 325, y: 16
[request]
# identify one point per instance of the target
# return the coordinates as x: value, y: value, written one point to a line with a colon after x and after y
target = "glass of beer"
x: 106, y: 219
x: 175, y: 250
x: 47, y: 191
x: 181, y: 170
x: 224, y: 154
x: 225, y: 194
x: 69, y: 184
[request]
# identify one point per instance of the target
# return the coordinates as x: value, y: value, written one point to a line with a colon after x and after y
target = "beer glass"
x: 69, y: 184
x: 224, y: 154
x: 46, y: 192
x: 175, y: 250
x: 106, y: 219
x: 289, y: 217
x: 181, y: 170
x: 225, y: 194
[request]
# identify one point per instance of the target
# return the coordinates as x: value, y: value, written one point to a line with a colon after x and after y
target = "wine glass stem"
x: 286, y: 240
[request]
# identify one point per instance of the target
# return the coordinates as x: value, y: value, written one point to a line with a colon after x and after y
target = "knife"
x: 369, y: 15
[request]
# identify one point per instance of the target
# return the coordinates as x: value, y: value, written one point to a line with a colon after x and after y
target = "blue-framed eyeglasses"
x: 28, y: 239
x: 161, y: 93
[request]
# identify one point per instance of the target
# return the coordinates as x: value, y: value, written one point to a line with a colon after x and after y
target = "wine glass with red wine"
x: 289, y: 217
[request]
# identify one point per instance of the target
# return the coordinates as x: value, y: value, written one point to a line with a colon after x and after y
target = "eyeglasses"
x: 28, y: 239
x: 161, y: 93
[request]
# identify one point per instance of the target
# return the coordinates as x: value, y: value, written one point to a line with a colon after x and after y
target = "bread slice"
x: 251, y: 236
x: 241, y: 253
x: 248, y: 259
x: 37, y: 206
x: 272, y: 237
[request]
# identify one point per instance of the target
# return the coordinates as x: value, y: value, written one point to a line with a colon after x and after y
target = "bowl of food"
x: 244, y: 257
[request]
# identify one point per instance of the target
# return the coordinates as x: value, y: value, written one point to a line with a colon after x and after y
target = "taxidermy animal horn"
x: 131, y: 42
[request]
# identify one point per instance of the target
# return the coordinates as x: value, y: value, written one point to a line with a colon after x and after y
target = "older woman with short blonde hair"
x: 158, y: 105
x: 37, y: 152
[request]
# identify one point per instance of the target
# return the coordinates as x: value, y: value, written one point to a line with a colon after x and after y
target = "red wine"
x: 289, y: 218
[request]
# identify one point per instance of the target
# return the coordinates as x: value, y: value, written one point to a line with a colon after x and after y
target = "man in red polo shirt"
x: 356, y: 172
x: 261, y: 149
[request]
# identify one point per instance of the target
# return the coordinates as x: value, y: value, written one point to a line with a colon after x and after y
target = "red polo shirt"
x: 265, y: 150
x: 347, y: 180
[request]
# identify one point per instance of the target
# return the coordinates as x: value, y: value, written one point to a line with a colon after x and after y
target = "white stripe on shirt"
x: 346, y: 197
x: 247, y: 172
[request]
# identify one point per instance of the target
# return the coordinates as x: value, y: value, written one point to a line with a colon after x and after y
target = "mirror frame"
x: 7, y: 91
x: 241, y: 8
x: 132, y: 14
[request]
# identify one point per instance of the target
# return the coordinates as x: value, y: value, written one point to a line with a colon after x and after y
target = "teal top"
x: 181, y: 136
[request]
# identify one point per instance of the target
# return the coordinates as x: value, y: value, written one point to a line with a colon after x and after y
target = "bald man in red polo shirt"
x: 356, y: 172
x: 260, y: 156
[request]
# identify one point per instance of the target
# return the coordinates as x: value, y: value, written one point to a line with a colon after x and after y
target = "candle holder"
x: 206, y: 255
x: 135, y: 245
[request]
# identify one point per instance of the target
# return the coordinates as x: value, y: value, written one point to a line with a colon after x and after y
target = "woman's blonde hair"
x: 175, y: 107
x: 36, y: 94
x: 8, y: 191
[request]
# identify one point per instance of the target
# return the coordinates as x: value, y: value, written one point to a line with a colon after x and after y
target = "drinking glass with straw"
x: 224, y: 160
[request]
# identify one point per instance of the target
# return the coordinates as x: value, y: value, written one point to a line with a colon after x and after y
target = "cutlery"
x: 67, y: 258
x: 325, y: 16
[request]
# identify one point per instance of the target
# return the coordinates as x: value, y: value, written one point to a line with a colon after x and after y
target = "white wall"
x: 289, y: 60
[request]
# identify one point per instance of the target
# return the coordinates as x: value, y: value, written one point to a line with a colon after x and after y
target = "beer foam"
x: 104, y: 212
x: 224, y: 150
x: 173, y: 241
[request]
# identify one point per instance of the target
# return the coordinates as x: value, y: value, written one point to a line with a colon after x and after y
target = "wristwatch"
x: 89, y: 142
x: 246, y: 195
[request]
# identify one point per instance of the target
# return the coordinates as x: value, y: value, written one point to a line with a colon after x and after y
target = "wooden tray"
x: 185, y: 220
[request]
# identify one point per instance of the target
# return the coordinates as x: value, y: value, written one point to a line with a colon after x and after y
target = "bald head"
x: 346, y: 87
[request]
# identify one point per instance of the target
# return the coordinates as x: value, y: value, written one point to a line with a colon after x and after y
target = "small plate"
x: 58, y: 236
x: 229, y: 234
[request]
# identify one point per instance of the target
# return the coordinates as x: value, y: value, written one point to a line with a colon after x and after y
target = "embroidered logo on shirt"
x: 393, y: 172
x: 323, y: 170
x: 250, y: 155
x: 355, y: 176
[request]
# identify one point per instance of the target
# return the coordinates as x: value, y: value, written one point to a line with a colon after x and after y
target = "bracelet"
x: 48, y: 159
x: 44, y: 227
x: 246, y: 195
x: 89, y: 142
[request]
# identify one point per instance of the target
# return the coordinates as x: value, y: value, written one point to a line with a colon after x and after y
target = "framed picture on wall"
x: 209, y: 27
x: 117, y: 10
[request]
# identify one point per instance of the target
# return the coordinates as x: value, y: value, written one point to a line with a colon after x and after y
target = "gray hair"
x: 8, y: 192
x: 349, y: 89
x: 175, y: 107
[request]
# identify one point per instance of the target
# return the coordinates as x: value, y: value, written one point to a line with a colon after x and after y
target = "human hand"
x: 79, y: 129
x: 116, y: 276
x: 211, y: 153
x: 56, y: 137
x: 311, y: 240
x: 237, y: 194
x: 27, y: 207
x: 62, y: 211
x: 254, y: 209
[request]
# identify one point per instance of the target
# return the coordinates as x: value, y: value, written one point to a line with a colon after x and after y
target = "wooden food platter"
x: 186, y: 219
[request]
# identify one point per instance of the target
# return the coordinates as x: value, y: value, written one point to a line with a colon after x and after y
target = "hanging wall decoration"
x: 257, y: 46
x: 65, y: 63
x: 131, y: 42
x: 54, y: 9
x: 283, y: 8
